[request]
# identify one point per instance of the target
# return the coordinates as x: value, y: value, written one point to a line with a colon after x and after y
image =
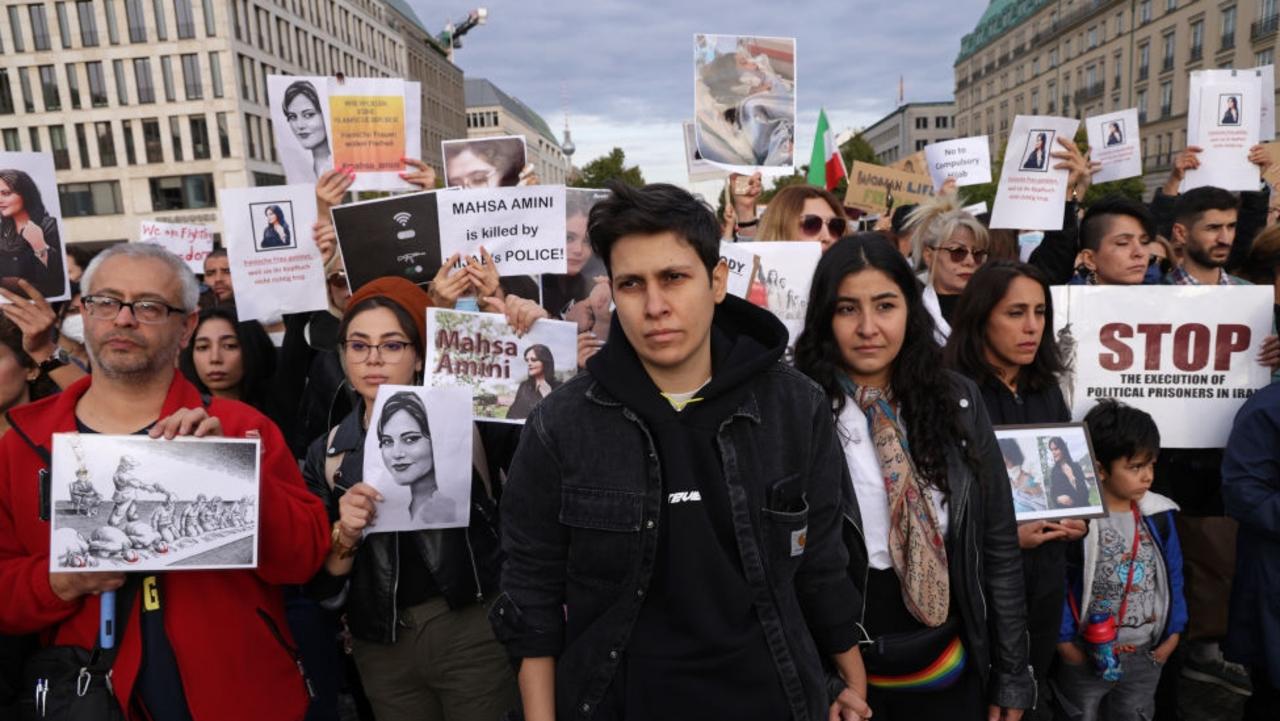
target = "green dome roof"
x: 1000, y: 16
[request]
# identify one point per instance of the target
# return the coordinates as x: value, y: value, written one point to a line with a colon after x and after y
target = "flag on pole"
x: 826, y: 167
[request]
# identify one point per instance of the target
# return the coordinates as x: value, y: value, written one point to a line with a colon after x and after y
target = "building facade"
x: 909, y: 128
x: 150, y: 106
x: 491, y: 112
x: 1078, y: 58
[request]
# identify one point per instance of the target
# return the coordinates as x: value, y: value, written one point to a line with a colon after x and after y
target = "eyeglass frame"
x: 89, y: 302
x: 827, y: 223
x: 375, y: 346
x: 465, y: 183
x: 955, y: 250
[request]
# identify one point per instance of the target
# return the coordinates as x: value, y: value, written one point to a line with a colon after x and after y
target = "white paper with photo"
x: 1229, y: 119
x: 1031, y: 191
x: 301, y: 125
x: 422, y: 471
x: 1202, y: 367
x: 1115, y: 142
x: 508, y: 374
x: 131, y: 503
x: 523, y: 228
x: 192, y: 243
x: 493, y: 162
x: 699, y: 169
x: 275, y: 266
x: 32, y: 235
x: 782, y: 278
x: 742, y: 265
x: 968, y: 160
x: 1051, y: 471
x: 1267, y: 95
x: 745, y: 102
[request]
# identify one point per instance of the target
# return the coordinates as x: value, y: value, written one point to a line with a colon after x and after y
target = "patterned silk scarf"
x: 916, y: 546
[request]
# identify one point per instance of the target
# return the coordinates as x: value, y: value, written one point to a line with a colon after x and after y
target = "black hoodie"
x: 697, y: 644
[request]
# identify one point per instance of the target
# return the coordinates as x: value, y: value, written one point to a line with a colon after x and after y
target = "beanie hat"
x: 402, y: 292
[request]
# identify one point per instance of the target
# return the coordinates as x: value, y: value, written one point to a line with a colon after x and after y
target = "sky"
x: 626, y: 66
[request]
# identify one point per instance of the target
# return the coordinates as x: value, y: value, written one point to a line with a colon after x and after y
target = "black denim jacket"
x: 580, y: 518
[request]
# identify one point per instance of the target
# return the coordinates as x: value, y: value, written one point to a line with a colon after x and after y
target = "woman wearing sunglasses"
x: 953, y: 245
x: 803, y: 212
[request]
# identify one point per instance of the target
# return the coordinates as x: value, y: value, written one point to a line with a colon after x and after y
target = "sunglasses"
x: 812, y: 225
x: 338, y: 280
x: 959, y: 252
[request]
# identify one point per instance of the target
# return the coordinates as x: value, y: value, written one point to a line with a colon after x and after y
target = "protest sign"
x: 1229, y: 120
x: 1031, y: 190
x: 914, y: 164
x: 523, y: 228
x: 275, y: 267
x: 699, y: 169
x: 582, y: 293
x: 968, y: 160
x: 484, y: 162
x: 1114, y: 142
x: 31, y: 243
x: 132, y: 503
x: 1051, y: 471
x: 192, y: 243
x: 397, y: 236
x: 872, y: 188
x: 509, y: 374
x: 417, y: 454
x: 1266, y: 89
x: 742, y: 267
x: 976, y: 209
x: 783, y: 272
x: 1166, y: 350
x: 300, y: 119
x: 744, y: 104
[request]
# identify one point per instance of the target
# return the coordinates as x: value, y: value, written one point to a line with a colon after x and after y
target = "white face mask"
x: 73, y: 328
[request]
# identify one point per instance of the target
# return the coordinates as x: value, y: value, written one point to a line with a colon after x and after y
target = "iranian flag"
x: 826, y: 167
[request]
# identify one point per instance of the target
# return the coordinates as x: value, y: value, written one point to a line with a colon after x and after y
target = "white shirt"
x: 868, y: 485
x: 942, y: 329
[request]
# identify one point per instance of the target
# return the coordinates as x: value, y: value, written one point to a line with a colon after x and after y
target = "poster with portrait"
x: 1266, y: 106
x: 581, y: 294
x: 132, y: 503
x: 417, y: 454
x: 744, y: 102
x: 1051, y: 471
x: 276, y: 268
x: 783, y: 272
x: 32, y: 245
x: 1031, y: 190
x: 509, y: 375
x: 1167, y: 350
x: 699, y: 168
x: 1229, y: 123
x: 398, y: 236
x: 300, y: 119
x: 192, y: 243
x: 495, y: 162
x: 523, y: 228
x: 1115, y: 143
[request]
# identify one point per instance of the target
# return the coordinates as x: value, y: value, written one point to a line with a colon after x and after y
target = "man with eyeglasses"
x: 139, y: 305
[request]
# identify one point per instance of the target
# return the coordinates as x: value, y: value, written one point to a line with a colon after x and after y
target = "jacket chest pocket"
x: 786, y: 524
x: 604, y: 526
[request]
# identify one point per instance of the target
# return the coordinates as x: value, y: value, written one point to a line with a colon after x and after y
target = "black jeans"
x: 961, y: 702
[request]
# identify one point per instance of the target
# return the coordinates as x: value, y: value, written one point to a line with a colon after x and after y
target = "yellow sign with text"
x: 368, y: 132
x: 871, y: 187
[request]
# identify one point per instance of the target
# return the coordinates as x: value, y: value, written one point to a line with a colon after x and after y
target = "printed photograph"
x: 582, y: 295
x: 273, y: 226
x: 31, y: 246
x: 745, y: 99
x: 1115, y: 133
x: 1051, y: 471
x: 1229, y: 109
x: 299, y: 119
x: 484, y: 163
x: 130, y: 503
x: 1039, y: 145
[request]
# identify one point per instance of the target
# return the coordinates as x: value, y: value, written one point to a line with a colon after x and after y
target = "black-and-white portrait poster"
x: 31, y: 232
x: 300, y: 117
x: 131, y: 503
x: 417, y: 454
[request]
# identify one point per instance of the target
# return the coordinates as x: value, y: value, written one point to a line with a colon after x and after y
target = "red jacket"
x: 232, y: 666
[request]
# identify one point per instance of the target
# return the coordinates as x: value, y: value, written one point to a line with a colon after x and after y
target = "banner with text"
x: 275, y: 266
x: 877, y: 189
x: 522, y: 227
x: 1031, y: 190
x: 192, y: 243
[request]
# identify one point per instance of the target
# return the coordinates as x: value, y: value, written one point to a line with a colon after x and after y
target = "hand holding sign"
x: 1080, y: 169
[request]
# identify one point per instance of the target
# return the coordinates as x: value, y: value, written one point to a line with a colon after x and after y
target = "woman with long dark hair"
x: 1067, y: 486
x: 539, y: 384
x: 404, y: 436
x: 943, y: 615
x: 277, y: 233
x: 304, y: 113
x: 30, y: 245
x: 229, y: 358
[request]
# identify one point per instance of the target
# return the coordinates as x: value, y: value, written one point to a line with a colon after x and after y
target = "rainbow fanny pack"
x: 930, y: 659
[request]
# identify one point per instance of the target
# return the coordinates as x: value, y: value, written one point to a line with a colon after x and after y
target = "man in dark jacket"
x: 673, y: 517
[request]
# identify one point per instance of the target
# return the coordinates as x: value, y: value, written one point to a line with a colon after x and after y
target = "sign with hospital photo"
x: 131, y: 503
x: 1051, y: 471
x: 744, y: 90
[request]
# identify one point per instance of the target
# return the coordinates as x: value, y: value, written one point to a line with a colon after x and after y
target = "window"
x: 143, y: 79
x: 15, y: 27
x: 922, y: 123
x: 1197, y: 39
x: 182, y: 192
x: 210, y: 20
x: 1119, y: 23
x: 28, y: 100
x: 941, y: 121
x: 185, y: 19
x: 97, y: 85
x: 35, y: 139
x: 215, y: 74
x: 1170, y: 5
x: 79, y: 200
x: 6, y: 93
x: 161, y: 32
x: 920, y: 144
x: 137, y: 19
x: 1264, y: 57
x: 88, y: 24
x: 1166, y: 99
x: 122, y: 84
x: 113, y: 34
x: 49, y: 87
x: 248, y: 90
x: 58, y: 144
x: 224, y: 137
x: 1142, y: 106
x: 249, y: 137
x: 199, y: 137
x: 106, y: 144
x: 73, y: 85
x: 1167, y: 64
x: 1093, y: 37
x: 191, y: 76
x: 151, y: 140
x: 39, y: 27
x: 282, y: 40
x: 130, y: 149
x: 1035, y: 101
x: 12, y: 141
x: 175, y: 137
x: 1144, y: 12
x: 166, y: 75
x: 1144, y: 61
x: 64, y: 25
x: 1053, y: 58
x: 82, y: 142
x: 1228, y: 27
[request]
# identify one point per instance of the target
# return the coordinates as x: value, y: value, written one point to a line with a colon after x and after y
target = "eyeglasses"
x: 104, y: 307
x: 390, y: 352
x: 478, y: 179
x: 959, y: 252
x: 812, y: 225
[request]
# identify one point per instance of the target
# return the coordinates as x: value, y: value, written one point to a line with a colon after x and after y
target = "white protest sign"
x: 417, y: 454
x: 1267, y: 95
x: 509, y: 374
x: 741, y: 263
x: 976, y: 209
x: 1167, y: 350
x: 780, y: 283
x: 523, y: 227
x: 275, y: 268
x: 192, y: 243
x: 31, y: 244
x: 968, y: 160
x: 1114, y: 142
x: 699, y: 169
x: 1032, y: 191
x: 1229, y: 119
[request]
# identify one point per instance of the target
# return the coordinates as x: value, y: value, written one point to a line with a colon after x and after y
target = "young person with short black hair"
x: 1114, y: 238
x: 672, y: 519
x: 1204, y: 224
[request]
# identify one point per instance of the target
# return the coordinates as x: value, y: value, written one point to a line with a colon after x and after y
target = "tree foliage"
x: 608, y: 167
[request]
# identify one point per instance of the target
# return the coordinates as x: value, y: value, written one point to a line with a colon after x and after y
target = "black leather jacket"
x: 464, y: 562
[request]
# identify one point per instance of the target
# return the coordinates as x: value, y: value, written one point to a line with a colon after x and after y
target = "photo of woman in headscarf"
x: 1067, y: 484
x: 1036, y: 159
x: 304, y: 113
x: 277, y: 233
x: 30, y: 245
x: 487, y: 163
x: 405, y: 439
x: 539, y: 384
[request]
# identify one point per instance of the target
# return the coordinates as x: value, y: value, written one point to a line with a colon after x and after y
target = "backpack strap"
x: 45, y: 487
x: 332, y: 461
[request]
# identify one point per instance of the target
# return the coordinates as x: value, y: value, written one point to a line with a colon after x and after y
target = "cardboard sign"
x: 523, y: 228
x: 1031, y: 191
x: 744, y: 108
x: 1229, y: 115
x: 1114, y: 142
x: 31, y: 241
x: 192, y: 243
x: 509, y: 374
x: 968, y: 160
x: 914, y: 164
x: 1051, y: 471
x: 1167, y: 350
x: 275, y: 266
x: 871, y: 187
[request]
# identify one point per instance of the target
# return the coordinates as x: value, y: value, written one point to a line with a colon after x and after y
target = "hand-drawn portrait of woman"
x: 1067, y: 484
x: 1038, y: 157
x: 487, y: 163
x: 304, y: 113
x: 539, y: 384
x: 277, y: 234
x: 407, y: 453
x: 30, y: 245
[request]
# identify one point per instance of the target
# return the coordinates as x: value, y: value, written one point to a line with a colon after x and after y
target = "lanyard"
x: 1128, y: 583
